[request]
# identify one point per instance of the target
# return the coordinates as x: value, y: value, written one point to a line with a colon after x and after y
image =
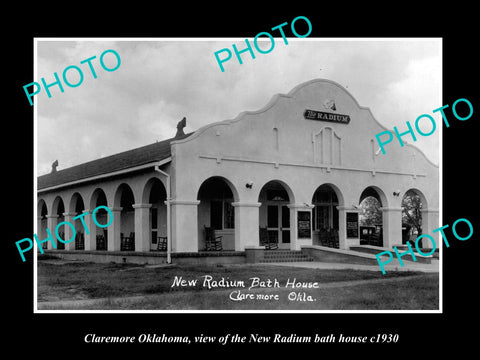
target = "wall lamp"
x: 249, y: 184
x: 396, y: 193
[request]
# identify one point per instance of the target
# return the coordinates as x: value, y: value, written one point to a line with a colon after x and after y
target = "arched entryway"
x: 413, y: 204
x: 371, y: 202
x: 58, y: 209
x: 216, y: 215
x: 76, y: 208
x: 42, y: 222
x: 100, y: 234
x: 125, y: 199
x: 155, y: 195
x: 274, y: 215
x: 325, y: 216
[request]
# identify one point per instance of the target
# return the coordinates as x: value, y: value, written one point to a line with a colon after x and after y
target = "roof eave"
x: 106, y: 175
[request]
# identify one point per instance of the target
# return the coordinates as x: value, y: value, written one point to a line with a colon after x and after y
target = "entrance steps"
x: 273, y: 256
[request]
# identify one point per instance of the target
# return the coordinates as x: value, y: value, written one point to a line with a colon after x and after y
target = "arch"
x: 376, y: 192
x: 413, y: 204
x: 420, y: 194
x: 372, y: 200
x: 274, y: 183
x: 76, y: 204
x: 77, y: 207
x: 216, y: 214
x: 155, y: 194
x: 124, y: 198
x: 155, y: 188
x: 231, y: 186
x: 42, y: 209
x: 42, y: 223
x: 325, y: 215
x: 99, y: 198
x: 58, y: 208
x: 274, y: 215
x: 335, y: 188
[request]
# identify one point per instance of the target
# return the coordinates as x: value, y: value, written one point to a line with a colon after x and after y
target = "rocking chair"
x: 212, y: 242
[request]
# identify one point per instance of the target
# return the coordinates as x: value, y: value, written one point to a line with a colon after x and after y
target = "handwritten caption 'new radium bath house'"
x: 242, y: 290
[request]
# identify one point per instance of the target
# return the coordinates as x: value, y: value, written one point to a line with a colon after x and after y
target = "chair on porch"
x: 263, y: 237
x: 267, y: 241
x: 60, y: 244
x: 212, y: 242
x: 333, y: 241
x: 162, y: 243
x: 101, y: 241
x: 323, y: 237
x: 127, y: 242
x: 272, y: 240
x: 79, y: 241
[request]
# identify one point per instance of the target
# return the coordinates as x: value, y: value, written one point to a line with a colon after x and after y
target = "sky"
x: 161, y: 81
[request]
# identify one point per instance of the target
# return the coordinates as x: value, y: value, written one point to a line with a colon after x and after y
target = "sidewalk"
x: 393, y: 266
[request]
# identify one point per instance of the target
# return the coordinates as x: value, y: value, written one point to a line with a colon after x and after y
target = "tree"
x: 371, y: 212
x: 411, y: 211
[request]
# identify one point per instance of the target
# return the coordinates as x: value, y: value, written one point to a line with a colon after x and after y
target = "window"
x: 275, y: 139
x: 277, y: 195
x: 216, y: 215
x: 229, y: 215
x: 222, y: 215
x: 321, y: 217
x: 272, y: 216
x: 154, y: 212
x: 335, y: 217
x: 154, y: 218
x: 325, y: 217
x: 325, y: 213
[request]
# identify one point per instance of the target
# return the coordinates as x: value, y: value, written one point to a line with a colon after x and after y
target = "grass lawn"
x: 130, y: 286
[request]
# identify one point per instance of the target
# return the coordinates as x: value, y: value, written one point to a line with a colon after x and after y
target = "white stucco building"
x: 293, y: 171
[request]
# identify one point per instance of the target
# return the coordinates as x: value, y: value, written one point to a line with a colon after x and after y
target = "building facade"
x: 290, y: 174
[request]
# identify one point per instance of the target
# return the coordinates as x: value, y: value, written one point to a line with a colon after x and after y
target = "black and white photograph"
x: 252, y: 188
x: 246, y: 182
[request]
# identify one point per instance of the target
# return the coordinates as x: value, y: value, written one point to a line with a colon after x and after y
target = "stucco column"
x: 295, y: 242
x: 40, y: 233
x: 430, y: 222
x: 39, y: 228
x: 114, y: 230
x: 343, y: 241
x: 184, y: 225
x: 91, y: 237
x: 142, y: 227
x: 51, y: 225
x: 68, y: 217
x: 392, y: 227
x: 246, y: 224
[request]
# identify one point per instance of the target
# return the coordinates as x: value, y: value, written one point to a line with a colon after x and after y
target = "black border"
x: 53, y: 334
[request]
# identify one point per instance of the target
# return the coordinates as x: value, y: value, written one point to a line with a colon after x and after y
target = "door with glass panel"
x: 278, y: 225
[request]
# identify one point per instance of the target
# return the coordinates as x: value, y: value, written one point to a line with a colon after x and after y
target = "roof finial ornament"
x: 181, y: 124
x: 54, y: 166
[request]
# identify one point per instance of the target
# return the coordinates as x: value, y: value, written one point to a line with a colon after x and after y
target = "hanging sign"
x: 324, y: 116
